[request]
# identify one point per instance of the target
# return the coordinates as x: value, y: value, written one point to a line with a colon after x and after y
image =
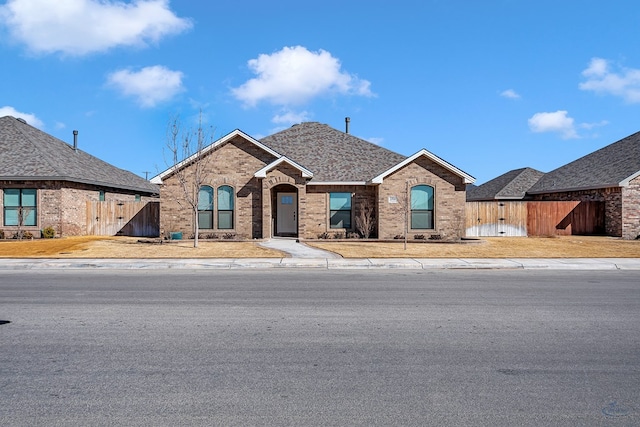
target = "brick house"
x: 610, y: 175
x: 46, y: 182
x: 312, y: 180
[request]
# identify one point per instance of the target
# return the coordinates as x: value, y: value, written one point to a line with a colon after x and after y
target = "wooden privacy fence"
x: 539, y: 218
x: 110, y: 218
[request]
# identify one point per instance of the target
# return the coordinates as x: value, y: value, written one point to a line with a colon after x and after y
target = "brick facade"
x: 62, y: 205
x: 449, y: 201
x: 235, y: 163
x: 631, y: 210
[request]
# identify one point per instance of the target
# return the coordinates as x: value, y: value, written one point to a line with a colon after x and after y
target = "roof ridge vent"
x: 21, y: 120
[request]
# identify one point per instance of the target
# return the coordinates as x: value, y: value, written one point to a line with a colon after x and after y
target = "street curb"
x: 324, y: 263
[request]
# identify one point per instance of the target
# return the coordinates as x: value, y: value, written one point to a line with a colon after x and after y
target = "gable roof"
x: 468, y: 179
x: 27, y: 153
x: 228, y: 137
x: 333, y: 156
x: 262, y: 173
x: 612, y: 166
x: 512, y: 185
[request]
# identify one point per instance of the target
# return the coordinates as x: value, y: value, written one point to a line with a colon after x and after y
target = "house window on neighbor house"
x: 101, y: 196
x: 205, y: 207
x: 340, y: 210
x: 422, y: 207
x: 225, y: 207
x: 137, y: 198
x: 20, y: 207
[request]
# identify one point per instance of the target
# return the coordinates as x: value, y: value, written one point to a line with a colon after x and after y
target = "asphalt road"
x: 305, y: 348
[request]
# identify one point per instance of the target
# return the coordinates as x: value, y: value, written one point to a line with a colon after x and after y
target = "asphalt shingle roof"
x: 27, y: 153
x: 332, y: 155
x: 511, y: 185
x: 607, y: 167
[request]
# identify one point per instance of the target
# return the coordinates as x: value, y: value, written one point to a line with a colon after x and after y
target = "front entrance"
x: 286, y: 214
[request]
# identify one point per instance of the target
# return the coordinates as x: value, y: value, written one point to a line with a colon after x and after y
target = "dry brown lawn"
x: 130, y: 247
x: 495, y: 247
x: 498, y: 247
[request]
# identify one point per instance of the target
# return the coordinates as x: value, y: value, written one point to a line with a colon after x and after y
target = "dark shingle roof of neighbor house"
x: 332, y: 155
x: 27, y: 153
x: 512, y: 185
x: 610, y: 166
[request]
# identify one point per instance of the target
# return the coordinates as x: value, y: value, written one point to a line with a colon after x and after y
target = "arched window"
x: 205, y: 207
x: 225, y: 207
x: 422, y: 207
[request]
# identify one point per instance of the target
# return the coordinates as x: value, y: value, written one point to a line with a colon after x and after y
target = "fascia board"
x: 625, y: 182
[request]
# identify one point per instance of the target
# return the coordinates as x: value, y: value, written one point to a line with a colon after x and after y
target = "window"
x: 20, y: 207
x: 137, y: 198
x: 225, y: 207
x: 340, y: 210
x: 422, y: 207
x: 205, y: 207
x: 101, y: 196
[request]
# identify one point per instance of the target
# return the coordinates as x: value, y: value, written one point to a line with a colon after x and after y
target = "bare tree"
x: 365, y: 220
x: 23, y: 214
x: 404, y: 207
x: 186, y: 149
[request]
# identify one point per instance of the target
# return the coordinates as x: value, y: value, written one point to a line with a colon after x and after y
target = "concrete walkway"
x: 296, y: 249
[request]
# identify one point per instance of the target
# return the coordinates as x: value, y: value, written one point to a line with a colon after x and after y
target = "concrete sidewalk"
x: 325, y: 263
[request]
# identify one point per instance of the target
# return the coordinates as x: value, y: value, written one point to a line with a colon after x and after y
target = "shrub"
x: 49, y: 233
x: 338, y: 235
x: 419, y: 237
x: 229, y: 236
x: 398, y: 237
x: 324, y: 235
x: 353, y: 235
x: 435, y: 237
x: 1, y: 234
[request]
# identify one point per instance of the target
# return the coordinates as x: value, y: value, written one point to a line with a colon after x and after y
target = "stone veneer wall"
x: 449, y: 194
x: 62, y: 205
x: 612, y: 198
x: 631, y: 210
x: 233, y: 164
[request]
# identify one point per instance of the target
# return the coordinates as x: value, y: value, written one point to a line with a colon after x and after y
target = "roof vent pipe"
x: 346, y: 122
x: 75, y: 140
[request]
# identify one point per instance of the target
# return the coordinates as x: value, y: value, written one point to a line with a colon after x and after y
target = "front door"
x: 287, y: 214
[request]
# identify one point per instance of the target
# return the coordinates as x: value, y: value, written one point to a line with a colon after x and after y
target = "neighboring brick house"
x: 46, y: 182
x: 610, y: 175
x: 312, y: 180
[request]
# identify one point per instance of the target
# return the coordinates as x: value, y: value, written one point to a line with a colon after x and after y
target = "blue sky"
x: 489, y: 85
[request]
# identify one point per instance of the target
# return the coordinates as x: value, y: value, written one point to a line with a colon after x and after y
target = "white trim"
x: 625, y: 182
x: 262, y: 173
x: 158, y: 178
x: 468, y: 179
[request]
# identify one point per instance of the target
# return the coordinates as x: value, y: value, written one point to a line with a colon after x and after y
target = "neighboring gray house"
x: 610, y: 175
x: 46, y: 182
x: 512, y: 185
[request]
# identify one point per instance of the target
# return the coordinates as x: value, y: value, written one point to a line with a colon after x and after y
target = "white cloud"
x: 600, y: 78
x: 557, y: 122
x: 290, y: 117
x: 79, y: 27
x: 28, y: 117
x: 510, y: 93
x: 150, y: 85
x: 295, y: 75
x: 374, y: 140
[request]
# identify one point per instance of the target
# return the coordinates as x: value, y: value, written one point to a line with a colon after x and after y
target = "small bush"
x: 229, y: 236
x: 353, y: 235
x: 49, y: 233
x: 324, y: 235
x: 419, y: 237
x: 23, y: 235
x: 398, y: 237
x: 338, y: 235
x: 435, y: 237
x: 1, y: 234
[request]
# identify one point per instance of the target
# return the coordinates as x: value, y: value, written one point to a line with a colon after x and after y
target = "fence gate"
x: 495, y: 219
x: 110, y: 218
